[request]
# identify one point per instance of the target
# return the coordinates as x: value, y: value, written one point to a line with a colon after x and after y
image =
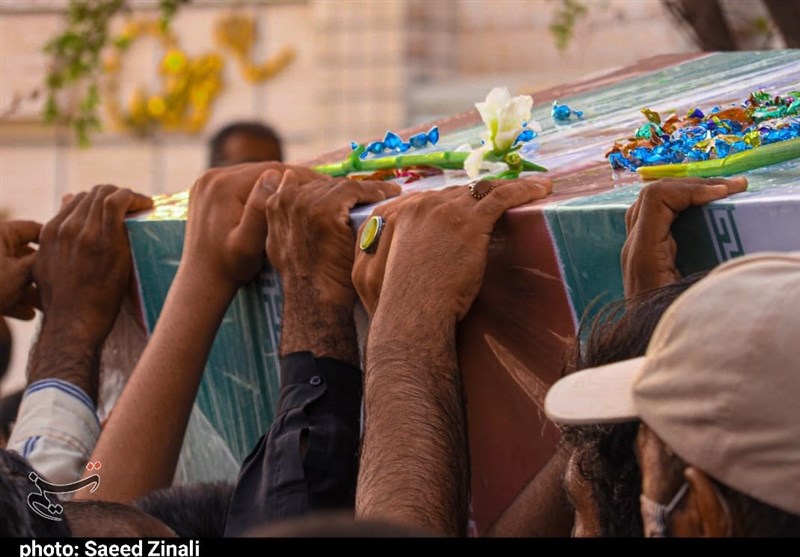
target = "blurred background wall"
x: 361, y: 67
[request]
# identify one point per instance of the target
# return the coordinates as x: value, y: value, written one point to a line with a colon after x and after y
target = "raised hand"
x: 434, y: 245
x: 226, y: 228
x: 420, y: 280
x: 311, y: 245
x: 83, y: 265
x: 648, y: 256
x: 18, y: 296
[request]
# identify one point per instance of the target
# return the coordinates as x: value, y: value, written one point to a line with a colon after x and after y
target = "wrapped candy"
x: 705, y: 136
x: 393, y: 142
x: 563, y: 113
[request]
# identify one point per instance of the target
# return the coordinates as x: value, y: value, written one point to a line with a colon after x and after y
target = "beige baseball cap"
x: 720, y: 383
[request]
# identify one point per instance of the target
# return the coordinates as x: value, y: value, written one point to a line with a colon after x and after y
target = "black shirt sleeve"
x: 307, y: 461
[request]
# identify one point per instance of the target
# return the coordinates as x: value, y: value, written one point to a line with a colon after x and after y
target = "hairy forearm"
x: 311, y: 323
x: 414, y: 458
x: 62, y: 352
x: 140, y: 444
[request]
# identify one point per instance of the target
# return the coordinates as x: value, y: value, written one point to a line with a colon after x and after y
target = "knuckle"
x: 69, y: 229
x: 103, y: 190
x: 88, y: 241
x: 123, y: 197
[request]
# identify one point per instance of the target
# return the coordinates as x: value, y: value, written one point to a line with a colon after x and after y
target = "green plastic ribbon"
x: 446, y: 160
x: 737, y: 163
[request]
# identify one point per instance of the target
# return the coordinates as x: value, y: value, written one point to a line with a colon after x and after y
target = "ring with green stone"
x: 371, y: 234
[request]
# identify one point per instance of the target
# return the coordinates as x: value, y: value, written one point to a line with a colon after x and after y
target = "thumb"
x: 253, y: 226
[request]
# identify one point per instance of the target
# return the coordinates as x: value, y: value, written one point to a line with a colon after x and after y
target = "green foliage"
x: 563, y: 25
x: 76, y: 60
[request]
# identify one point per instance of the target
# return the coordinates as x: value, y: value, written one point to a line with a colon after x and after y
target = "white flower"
x: 504, y: 117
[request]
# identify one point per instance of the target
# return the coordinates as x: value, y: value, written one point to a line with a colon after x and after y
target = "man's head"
x: 193, y: 510
x: 243, y: 142
x: 717, y: 394
x: 602, y: 479
x: 99, y: 519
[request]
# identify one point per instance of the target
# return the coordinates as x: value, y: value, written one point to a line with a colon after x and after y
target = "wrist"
x: 332, y: 293
x: 412, y: 339
x: 324, y: 327
x: 72, y: 331
x: 66, y: 353
x: 406, y: 317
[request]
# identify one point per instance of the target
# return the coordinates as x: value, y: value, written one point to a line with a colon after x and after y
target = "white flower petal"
x: 498, y: 96
x: 474, y: 161
x: 495, y: 100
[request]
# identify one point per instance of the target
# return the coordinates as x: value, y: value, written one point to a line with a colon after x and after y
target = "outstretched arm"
x: 307, y: 461
x: 223, y: 249
x: 419, y: 283
x: 82, y: 271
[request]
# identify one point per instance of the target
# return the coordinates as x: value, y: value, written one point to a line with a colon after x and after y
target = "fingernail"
x: 271, y: 179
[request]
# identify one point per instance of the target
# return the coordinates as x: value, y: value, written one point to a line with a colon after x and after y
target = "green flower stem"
x: 446, y: 160
x: 732, y: 164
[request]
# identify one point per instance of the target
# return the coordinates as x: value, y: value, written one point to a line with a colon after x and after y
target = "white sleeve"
x: 56, y: 429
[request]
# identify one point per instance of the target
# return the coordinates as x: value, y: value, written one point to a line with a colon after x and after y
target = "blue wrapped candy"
x: 525, y: 136
x: 562, y: 112
x: 393, y: 142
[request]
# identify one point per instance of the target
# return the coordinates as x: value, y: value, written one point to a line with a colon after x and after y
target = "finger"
x: 24, y: 232
x: 370, y: 268
x: 305, y: 174
x: 253, y: 225
x: 122, y: 202
x: 509, y: 195
x: 632, y: 214
x: 289, y: 181
x: 78, y: 217
x: 542, y: 181
x: 65, y: 199
x: 269, y: 181
x: 353, y: 193
x: 99, y: 194
x: 393, y: 205
x: 52, y: 226
x: 681, y: 198
x: 736, y: 181
x: 735, y: 185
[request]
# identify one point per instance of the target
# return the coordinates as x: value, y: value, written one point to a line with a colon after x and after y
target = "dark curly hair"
x: 16, y: 518
x: 605, y: 453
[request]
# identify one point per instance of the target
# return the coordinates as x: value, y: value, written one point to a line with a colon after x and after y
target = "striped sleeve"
x: 56, y: 429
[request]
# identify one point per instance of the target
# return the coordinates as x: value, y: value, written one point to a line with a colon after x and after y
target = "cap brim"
x: 595, y: 396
